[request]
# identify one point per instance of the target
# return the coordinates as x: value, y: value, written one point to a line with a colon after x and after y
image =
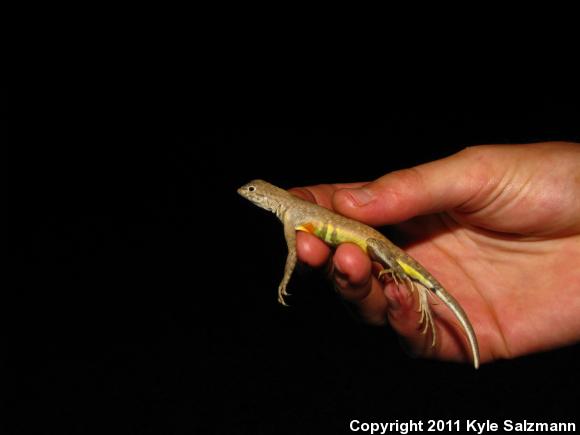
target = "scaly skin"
x: 299, y: 215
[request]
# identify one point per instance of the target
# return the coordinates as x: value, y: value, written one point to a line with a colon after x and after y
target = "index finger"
x: 322, y: 194
x: 310, y: 249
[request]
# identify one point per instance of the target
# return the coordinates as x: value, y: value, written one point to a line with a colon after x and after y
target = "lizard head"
x: 264, y: 195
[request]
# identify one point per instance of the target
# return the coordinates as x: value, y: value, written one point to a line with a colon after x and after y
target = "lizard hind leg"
x: 380, y: 251
x: 392, y: 273
x: 426, y: 320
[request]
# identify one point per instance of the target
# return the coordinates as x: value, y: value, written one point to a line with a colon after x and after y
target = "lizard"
x: 297, y: 214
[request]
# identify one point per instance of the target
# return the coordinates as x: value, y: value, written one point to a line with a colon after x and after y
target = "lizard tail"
x: 458, y: 312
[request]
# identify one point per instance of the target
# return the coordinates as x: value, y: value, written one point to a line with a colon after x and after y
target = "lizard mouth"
x: 243, y: 192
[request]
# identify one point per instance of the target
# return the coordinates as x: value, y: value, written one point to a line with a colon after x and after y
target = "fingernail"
x: 360, y: 197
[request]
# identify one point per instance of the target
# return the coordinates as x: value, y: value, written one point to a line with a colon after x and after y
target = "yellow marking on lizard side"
x: 413, y: 273
x: 332, y: 234
x: 340, y: 235
x: 328, y: 233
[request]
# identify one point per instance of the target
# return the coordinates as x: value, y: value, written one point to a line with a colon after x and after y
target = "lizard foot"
x: 282, y: 293
x: 426, y: 321
x: 391, y: 272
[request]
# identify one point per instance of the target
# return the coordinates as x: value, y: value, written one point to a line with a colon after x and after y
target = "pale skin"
x: 498, y: 226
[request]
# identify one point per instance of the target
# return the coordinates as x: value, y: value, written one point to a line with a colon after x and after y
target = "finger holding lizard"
x: 372, y: 300
x: 484, y: 221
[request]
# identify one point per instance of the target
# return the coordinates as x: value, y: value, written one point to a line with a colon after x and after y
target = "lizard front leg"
x: 290, y: 235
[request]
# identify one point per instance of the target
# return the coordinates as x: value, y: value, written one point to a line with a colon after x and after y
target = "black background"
x: 145, y: 298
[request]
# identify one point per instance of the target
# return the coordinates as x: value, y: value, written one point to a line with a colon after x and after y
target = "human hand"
x: 498, y: 226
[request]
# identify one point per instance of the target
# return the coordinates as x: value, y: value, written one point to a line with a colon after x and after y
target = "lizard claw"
x: 394, y: 276
x: 426, y: 321
x: 281, y: 295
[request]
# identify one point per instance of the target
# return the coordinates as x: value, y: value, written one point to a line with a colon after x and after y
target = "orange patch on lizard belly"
x: 307, y: 227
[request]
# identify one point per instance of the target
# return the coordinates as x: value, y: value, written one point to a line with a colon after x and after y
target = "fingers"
x: 352, y: 274
x: 433, y: 187
x: 311, y: 250
x: 354, y: 281
x: 372, y: 300
x: 404, y: 318
x: 462, y: 181
x: 376, y: 302
x: 322, y: 194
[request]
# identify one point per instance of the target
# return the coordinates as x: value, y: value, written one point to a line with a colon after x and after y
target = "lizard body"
x: 297, y: 214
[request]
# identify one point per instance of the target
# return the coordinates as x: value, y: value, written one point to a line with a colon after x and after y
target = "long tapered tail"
x: 460, y: 315
x: 380, y: 250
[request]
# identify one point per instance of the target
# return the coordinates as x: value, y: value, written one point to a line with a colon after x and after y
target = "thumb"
x: 450, y: 183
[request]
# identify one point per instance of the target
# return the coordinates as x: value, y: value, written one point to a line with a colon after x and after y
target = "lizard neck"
x: 279, y: 210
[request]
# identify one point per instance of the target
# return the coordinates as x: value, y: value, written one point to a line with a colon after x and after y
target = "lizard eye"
x: 251, y: 188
